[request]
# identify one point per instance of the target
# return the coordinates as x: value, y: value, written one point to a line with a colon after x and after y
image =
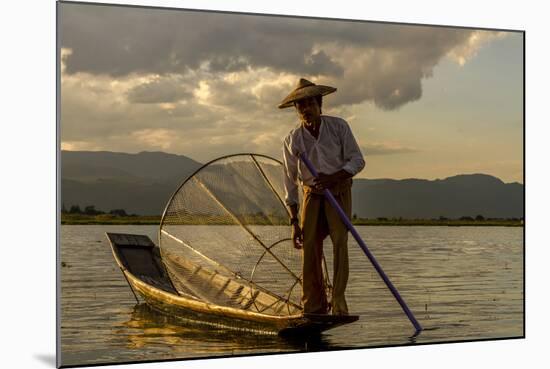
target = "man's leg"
x: 339, y: 237
x: 314, y: 230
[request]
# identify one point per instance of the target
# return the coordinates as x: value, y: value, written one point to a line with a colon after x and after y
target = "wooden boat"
x: 177, y: 295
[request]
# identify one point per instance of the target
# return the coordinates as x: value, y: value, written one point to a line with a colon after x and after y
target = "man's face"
x: 308, y: 109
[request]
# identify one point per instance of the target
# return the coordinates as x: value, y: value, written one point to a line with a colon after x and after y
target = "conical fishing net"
x: 225, y: 238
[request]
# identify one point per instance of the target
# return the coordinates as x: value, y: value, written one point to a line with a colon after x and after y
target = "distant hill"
x: 142, y: 183
x: 453, y: 197
x: 150, y: 166
x: 139, y: 183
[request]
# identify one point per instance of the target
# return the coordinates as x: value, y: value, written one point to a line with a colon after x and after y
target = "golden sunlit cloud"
x: 386, y: 148
x: 80, y: 146
x: 464, y: 52
x: 65, y: 53
x: 156, y: 139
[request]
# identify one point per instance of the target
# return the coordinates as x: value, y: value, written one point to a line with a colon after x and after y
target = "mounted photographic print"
x: 241, y: 184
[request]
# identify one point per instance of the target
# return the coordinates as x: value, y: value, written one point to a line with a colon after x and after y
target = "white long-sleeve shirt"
x: 334, y: 149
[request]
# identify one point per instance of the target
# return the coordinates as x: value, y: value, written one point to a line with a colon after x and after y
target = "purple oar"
x: 352, y: 230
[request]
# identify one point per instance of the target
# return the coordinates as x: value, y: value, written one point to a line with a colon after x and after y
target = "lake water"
x: 462, y: 283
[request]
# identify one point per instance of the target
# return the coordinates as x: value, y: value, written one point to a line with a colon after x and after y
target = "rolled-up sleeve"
x: 290, y: 162
x: 352, y: 153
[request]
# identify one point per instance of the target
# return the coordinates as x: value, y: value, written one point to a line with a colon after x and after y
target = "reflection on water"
x: 462, y: 283
x: 150, y: 327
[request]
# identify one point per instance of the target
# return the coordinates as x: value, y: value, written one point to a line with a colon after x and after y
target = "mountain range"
x: 142, y: 184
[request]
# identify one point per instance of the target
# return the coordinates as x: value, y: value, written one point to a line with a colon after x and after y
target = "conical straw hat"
x: 305, y: 89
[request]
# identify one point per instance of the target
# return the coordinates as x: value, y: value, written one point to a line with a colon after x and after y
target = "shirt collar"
x: 321, y: 125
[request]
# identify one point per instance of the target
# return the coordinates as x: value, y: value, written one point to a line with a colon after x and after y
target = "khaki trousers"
x: 320, y: 219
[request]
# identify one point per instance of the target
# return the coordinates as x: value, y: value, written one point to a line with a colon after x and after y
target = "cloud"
x: 207, y: 84
x: 222, y: 115
x: 230, y: 94
x: 120, y: 40
x: 374, y: 62
x: 155, y: 138
x: 386, y: 148
x: 80, y: 146
x: 167, y: 89
x: 476, y: 40
x: 324, y: 64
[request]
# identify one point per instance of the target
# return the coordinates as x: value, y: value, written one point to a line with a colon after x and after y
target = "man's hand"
x: 325, y: 181
x: 297, y: 238
x: 329, y: 180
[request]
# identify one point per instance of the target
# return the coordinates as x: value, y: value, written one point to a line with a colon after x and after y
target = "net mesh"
x: 225, y: 238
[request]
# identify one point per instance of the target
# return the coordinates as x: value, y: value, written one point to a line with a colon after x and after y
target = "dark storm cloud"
x: 119, y: 41
x: 388, y: 88
x: 322, y: 62
x: 366, y: 61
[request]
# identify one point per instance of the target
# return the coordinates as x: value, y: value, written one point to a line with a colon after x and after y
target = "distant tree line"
x: 481, y: 218
x: 91, y: 210
x: 478, y: 218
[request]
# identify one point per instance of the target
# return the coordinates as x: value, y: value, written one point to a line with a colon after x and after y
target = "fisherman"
x: 329, y: 144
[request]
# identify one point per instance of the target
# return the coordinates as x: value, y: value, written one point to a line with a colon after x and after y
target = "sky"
x: 422, y: 102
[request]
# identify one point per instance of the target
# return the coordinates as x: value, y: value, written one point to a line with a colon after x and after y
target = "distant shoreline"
x: 106, y: 219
